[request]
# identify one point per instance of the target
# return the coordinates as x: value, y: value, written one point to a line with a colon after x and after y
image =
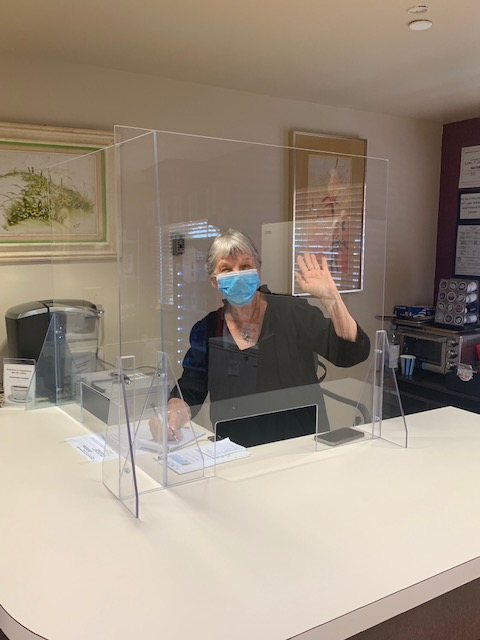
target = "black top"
x: 277, y: 374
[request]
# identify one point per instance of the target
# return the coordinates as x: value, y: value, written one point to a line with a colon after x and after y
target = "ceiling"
x: 353, y: 53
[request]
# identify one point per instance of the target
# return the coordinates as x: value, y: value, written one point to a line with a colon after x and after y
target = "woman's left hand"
x: 316, y: 279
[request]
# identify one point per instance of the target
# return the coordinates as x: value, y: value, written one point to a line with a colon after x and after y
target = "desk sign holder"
x: 18, y: 382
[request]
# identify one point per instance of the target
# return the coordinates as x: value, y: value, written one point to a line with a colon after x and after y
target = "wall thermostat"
x: 178, y: 245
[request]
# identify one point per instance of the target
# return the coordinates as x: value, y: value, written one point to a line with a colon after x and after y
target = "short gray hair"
x: 227, y: 245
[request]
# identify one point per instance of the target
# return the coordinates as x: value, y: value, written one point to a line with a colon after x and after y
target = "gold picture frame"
x: 56, y: 193
x: 328, y: 204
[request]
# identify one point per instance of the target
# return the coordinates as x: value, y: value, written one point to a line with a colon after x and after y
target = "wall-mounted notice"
x: 470, y: 168
x: 467, y: 257
x: 470, y: 206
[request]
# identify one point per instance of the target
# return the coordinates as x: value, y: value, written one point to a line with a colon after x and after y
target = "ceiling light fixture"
x: 420, y: 8
x: 420, y: 25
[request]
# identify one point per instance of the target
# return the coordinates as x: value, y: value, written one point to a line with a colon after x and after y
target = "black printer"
x: 28, y: 323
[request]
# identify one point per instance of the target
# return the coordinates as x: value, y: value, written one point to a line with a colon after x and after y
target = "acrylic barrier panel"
x: 119, y: 473
x: 265, y: 355
x: 96, y: 387
x: 373, y: 409
x: 389, y: 421
x: 140, y: 274
x: 139, y: 423
x: 69, y: 354
x: 169, y: 448
x: 54, y: 382
x: 82, y: 204
x: 174, y: 194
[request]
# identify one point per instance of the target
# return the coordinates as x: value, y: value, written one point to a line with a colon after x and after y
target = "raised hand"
x: 316, y: 279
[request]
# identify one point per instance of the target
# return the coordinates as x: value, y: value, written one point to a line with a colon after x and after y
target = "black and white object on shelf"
x: 457, y: 303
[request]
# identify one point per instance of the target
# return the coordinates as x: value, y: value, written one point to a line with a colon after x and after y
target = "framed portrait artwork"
x: 328, y: 203
x: 56, y: 193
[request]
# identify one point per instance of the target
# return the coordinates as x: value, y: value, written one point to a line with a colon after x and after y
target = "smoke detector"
x: 420, y: 8
x: 420, y: 25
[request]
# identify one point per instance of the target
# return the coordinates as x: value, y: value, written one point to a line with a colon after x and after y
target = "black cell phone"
x: 339, y: 436
x: 213, y: 438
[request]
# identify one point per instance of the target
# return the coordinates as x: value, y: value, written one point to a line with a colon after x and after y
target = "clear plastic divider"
x: 272, y: 340
x: 136, y: 460
x: 170, y: 455
x: 69, y: 354
x: 80, y: 195
x: 119, y: 472
x: 55, y: 378
x: 388, y: 418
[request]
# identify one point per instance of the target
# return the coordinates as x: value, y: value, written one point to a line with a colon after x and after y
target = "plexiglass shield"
x: 248, y: 292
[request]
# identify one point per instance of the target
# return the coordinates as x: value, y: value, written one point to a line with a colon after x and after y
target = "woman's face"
x: 239, y: 262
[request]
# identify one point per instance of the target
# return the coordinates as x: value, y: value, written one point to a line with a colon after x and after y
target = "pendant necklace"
x: 248, y: 329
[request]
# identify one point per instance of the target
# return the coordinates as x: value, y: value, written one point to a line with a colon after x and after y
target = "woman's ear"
x: 213, y: 282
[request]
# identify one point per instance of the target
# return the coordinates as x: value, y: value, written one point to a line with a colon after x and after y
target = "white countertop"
x: 321, y: 545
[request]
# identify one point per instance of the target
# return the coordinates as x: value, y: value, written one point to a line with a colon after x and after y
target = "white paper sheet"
x: 469, y: 168
x: 92, y: 447
x: 192, y: 459
x: 467, y: 258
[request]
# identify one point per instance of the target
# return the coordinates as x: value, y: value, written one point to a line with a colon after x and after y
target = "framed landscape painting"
x: 56, y: 193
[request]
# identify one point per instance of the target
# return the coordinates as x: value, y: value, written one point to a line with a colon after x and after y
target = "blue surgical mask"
x: 238, y: 287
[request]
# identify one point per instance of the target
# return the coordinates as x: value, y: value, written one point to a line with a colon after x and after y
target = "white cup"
x: 19, y: 392
x: 407, y: 364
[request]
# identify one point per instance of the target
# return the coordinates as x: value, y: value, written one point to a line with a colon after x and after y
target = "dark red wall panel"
x: 455, y: 136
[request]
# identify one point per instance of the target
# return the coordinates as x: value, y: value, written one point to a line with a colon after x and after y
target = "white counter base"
x: 318, y: 547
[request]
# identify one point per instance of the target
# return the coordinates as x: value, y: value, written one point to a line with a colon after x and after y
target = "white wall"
x: 54, y: 93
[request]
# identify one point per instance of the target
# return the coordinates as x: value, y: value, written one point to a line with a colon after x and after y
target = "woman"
x: 257, y: 355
